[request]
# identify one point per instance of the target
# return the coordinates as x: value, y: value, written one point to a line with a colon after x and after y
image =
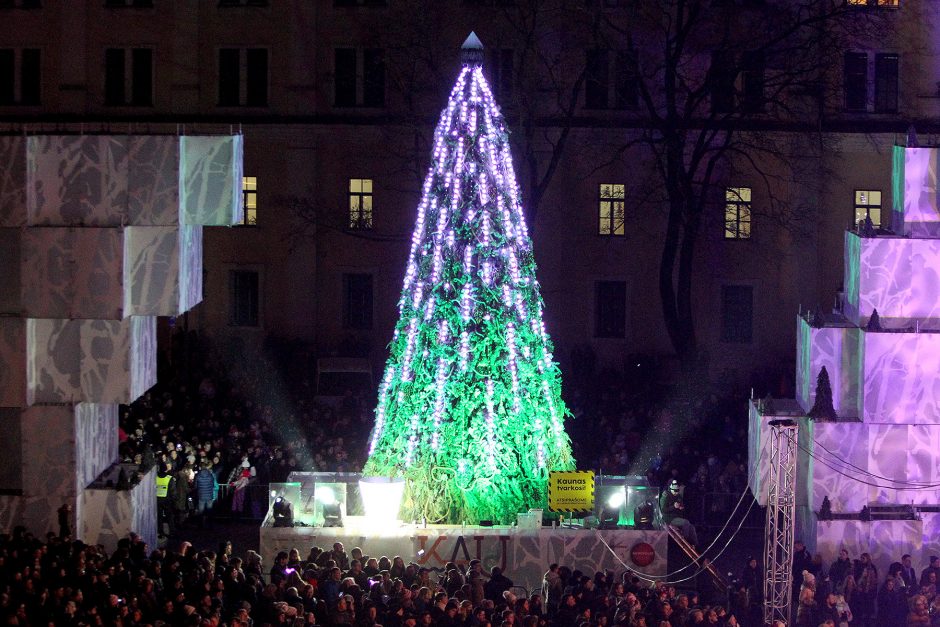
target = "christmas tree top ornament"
x: 469, y: 409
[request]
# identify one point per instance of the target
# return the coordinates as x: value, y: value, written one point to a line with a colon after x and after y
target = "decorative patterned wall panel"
x: 901, y: 381
x: 11, y: 512
x: 884, y: 278
x: 98, y: 260
x: 153, y: 181
x: 143, y: 359
x: 114, y: 352
x: 53, y: 361
x: 900, y: 277
x: 46, y: 272
x: 190, y: 275
x: 210, y: 180
x: 144, y: 508
x: 837, y: 447
x: 10, y: 260
x: 885, y: 540
x: 73, y: 273
x: 921, y: 215
x: 931, y: 544
x: 836, y: 349
x: 13, y: 362
x: 852, y: 254
x: 906, y: 454
x: 12, y: 181
x: 109, y: 515
x: 163, y: 270
x: 96, y: 440
x: 77, y: 180
x: 49, y: 462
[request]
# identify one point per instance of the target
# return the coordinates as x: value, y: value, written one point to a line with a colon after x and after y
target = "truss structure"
x: 781, y: 510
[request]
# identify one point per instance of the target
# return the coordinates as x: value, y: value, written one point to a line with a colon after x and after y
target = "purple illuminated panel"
x: 920, y: 211
x: 836, y: 349
x: 900, y: 382
x: 900, y: 277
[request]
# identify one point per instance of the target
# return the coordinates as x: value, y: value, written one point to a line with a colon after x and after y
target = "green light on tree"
x: 470, y: 410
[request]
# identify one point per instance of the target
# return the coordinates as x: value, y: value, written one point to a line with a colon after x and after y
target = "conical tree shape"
x: 822, y: 407
x: 469, y: 408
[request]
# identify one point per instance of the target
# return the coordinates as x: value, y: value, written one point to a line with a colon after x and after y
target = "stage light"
x: 283, y: 512
x: 326, y: 496
x: 381, y: 498
x: 616, y: 499
x: 643, y: 515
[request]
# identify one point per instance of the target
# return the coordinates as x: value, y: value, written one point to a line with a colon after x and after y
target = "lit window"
x: 611, y: 210
x: 738, y: 213
x: 250, y: 200
x: 868, y: 205
x: 360, y: 203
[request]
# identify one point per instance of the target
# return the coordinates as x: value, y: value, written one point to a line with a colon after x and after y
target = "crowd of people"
x: 249, y: 428
x: 852, y: 593
x: 63, y: 583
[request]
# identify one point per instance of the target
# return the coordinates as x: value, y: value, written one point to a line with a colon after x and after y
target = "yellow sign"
x: 571, y: 491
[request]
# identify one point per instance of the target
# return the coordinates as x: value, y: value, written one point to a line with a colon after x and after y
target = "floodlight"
x: 381, y: 497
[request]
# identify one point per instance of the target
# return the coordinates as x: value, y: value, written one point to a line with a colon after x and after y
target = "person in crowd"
x: 892, y: 602
x: 806, y: 602
x: 206, y: 489
x: 673, y: 509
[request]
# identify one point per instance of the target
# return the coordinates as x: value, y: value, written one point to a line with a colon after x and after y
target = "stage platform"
x: 524, y: 554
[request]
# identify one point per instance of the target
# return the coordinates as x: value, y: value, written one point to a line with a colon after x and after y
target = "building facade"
x: 337, y: 99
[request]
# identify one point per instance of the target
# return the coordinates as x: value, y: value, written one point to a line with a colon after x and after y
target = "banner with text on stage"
x: 571, y: 491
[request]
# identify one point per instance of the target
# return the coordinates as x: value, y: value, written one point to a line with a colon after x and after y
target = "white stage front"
x: 523, y: 554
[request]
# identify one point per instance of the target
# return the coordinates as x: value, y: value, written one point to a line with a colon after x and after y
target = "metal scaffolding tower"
x: 781, y: 510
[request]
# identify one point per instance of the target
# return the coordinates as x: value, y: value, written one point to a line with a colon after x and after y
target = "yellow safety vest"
x: 163, y: 486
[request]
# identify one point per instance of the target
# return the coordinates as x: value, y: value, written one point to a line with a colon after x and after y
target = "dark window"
x: 229, y: 79
x: 500, y: 67
x: 142, y: 77
x: 626, y: 85
x: 256, y: 92
x: 235, y: 89
x: 345, y: 77
x: 30, y: 77
x: 610, y: 306
x: 737, y: 313
x: 752, y: 82
x: 373, y: 74
x: 7, y: 77
x: 118, y: 90
x: 243, y: 293
x: 886, y: 83
x: 357, y: 313
x: 597, y: 79
x: 856, y: 81
x: 721, y: 77
x: 114, y: 76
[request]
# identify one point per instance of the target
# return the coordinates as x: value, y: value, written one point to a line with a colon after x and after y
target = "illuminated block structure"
x: 99, y: 234
x: 885, y: 386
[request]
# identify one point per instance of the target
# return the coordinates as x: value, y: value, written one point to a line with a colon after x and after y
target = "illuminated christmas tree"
x: 469, y: 409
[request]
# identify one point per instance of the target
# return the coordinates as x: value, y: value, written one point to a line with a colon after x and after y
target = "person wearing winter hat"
x: 674, y: 514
